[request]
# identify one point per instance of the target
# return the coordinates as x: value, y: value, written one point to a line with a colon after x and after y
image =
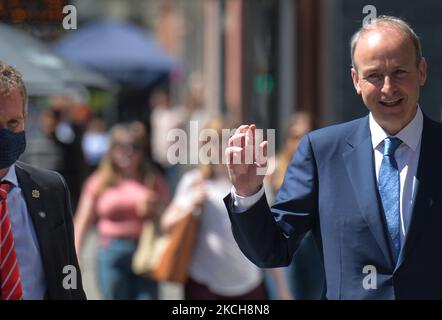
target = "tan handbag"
x: 166, y: 257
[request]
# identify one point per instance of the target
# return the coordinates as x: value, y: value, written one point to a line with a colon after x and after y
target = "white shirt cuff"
x: 242, y: 204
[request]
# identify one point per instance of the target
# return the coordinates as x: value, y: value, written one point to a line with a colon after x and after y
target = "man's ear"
x: 355, y: 77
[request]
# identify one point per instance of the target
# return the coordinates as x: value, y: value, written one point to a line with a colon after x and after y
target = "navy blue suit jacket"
x: 330, y: 188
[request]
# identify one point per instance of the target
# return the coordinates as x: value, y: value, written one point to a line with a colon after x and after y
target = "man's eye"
x: 400, y: 74
x: 374, y: 77
x: 13, y: 124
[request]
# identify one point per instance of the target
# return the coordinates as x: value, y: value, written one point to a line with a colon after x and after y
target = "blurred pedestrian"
x: 95, y: 142
x: 305, y: 273
x: 44, y: 151
x: 68, y: 136
x: 218, y: 269
x: 164, y: 118
x: 123, y: 192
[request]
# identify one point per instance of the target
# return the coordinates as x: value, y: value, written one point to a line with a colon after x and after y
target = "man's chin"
x: 393, y: 121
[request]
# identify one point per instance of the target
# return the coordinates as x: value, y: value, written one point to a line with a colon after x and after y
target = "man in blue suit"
x: 370, y: 189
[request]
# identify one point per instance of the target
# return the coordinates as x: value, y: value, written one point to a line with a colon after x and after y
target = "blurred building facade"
x: 260, y: 60
x: 281, y: 56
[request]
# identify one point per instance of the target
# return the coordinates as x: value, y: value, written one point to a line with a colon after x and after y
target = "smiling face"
x: 387, y: 76
x: 125, y: 152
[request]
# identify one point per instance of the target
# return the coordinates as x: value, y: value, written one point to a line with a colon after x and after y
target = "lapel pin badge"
x: 35, y: 194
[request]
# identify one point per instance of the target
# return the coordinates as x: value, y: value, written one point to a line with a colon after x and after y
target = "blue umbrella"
x: 119, y: 50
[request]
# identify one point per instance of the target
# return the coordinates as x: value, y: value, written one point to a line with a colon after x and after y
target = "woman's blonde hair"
x: 109, y: 173
x: 217, y: 124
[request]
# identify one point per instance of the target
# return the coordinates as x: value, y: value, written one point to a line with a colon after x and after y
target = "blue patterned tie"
x: 389, y: 189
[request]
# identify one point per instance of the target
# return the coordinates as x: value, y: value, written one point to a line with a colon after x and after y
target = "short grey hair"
x: 391, y: 21
x: 10, y: 80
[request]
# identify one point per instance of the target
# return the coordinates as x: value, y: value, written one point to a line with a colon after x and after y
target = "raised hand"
x: 243, y: 162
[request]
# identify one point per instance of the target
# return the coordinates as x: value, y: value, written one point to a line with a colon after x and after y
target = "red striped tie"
x: 11, y: 287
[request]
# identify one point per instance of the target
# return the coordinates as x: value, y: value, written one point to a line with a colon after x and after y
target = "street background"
x: 91, y: 65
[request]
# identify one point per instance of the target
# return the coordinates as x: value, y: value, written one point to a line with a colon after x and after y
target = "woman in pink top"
x: 123, y: 192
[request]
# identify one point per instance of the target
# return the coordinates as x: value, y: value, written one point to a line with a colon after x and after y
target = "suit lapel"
x: 359, y: 162
x: 428, y: 185
x: 34, y: 195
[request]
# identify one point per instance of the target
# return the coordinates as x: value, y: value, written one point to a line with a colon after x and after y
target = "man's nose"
x: 388, y: 85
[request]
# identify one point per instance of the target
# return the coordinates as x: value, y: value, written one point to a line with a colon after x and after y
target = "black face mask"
x: 12, y: 145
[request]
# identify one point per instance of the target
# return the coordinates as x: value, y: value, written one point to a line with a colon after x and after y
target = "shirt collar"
x: 410, y: 135
x: 11, y: 176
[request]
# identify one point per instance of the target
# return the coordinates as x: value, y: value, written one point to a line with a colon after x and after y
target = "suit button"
x: 42, y: 214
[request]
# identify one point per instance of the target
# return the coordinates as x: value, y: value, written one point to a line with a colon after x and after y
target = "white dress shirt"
x: 26, y: 245
x: 407, y: 158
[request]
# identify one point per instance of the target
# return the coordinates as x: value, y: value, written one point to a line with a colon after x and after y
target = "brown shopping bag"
x: 166, y: 257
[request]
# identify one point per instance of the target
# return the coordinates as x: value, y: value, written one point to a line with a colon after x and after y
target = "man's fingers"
x: 250, y: 136
x: 261, y: 156
x: 234, y: 155
x: 264, y: 146
x: 242, y: 128
x: 238, y: 140
x: 242, y: 146
x: 247, y: 131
